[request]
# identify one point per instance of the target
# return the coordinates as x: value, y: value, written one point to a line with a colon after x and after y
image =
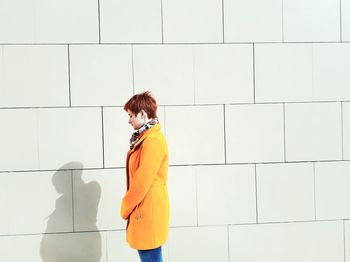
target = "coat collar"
x: 152, y: 130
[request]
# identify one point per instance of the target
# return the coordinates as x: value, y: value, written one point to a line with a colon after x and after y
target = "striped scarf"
x: 138, y: 134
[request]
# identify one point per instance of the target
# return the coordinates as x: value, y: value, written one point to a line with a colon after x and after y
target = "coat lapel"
x: 153, y: 129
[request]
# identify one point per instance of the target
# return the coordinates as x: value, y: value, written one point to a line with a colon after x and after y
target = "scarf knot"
x: 139, y: 133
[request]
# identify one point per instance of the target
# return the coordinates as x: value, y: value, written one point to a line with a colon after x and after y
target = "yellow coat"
x: 146, y: 203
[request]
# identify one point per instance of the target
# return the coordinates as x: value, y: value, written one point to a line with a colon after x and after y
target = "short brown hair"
x: 143, y: 101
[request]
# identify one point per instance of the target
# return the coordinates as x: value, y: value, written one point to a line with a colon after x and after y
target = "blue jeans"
x: 151, y: 255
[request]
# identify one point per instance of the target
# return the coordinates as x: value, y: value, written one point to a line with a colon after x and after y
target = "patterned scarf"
x: 138, y: 134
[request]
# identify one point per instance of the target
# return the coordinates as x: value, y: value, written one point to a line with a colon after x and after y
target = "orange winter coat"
x: 145, y: 205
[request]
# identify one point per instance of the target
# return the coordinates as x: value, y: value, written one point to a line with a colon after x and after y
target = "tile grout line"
x: 312, y: 72
x: 196, y: 180
x: 344, y: 239
x: 162, y: 20
x: 99, y: 21
x: 342, y: 129
x: 132, y: 69
x: 178, y: 105
x: 38, y: 137
x: 228, y: 242
x: 72, y: 185
x: 184, y: 165
x: 177, y: 43
x: 106, y: 248
x: 254, y: 73
x: 284, y: 133
x: 187, y: 226
x: 314, y: 175
x: 256, y: 195
x: 341, y: 24
x: 223, y: 21
x: 193, y: 52
x: 282, y: 21
x: 69, y: 80
x: 225, y: 134
x: 103, y: 139
x: 164, y: 112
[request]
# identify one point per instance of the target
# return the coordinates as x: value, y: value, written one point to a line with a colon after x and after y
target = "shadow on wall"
x: 75, y: 246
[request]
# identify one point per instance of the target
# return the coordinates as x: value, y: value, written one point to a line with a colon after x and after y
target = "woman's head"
x: 141, y: 108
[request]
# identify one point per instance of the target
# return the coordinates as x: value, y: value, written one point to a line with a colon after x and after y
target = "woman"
x: 145, y: 205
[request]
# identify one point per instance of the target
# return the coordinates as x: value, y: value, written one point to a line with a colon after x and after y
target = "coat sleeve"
x: 152, y: 154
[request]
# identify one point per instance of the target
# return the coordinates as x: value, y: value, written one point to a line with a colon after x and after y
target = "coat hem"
x: 147, y: 247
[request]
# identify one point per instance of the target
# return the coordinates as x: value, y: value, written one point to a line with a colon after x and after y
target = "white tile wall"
x: 254, y: 133
x: 189, y: 21
x: 346, y: 130
x: 20, y: 248
x: 285, y: 192
x: 167, y: 70
x: 134, y: 21
x: 311, y: 20
x: 182, y: 190
x: 198, y: 244
x: 97, y: 199
x: 18, y: 139
x: 283, y: 72
x: 332, y: 183
x: 48, y: 138
x: 41, y: 21
x: 33, y: 75
x: 70, y: 134
x: 100, y: 74
x: 4, y: 247
x: 345, y: 15
x: 17, y: 22
x: 301, y: 72
x: 40, y: 202
x: 313, y: 131
x: 253, y: 20
x: 331, y: 63
x: 89, y: 247
x: 117, y: 134
x: 226, y: 194
x: 223, y: 74
x: 184, y: 75
x: 286, y: 242
x: 195, y: 134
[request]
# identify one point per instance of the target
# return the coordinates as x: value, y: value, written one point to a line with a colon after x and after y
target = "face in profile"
x: 135, y: 120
